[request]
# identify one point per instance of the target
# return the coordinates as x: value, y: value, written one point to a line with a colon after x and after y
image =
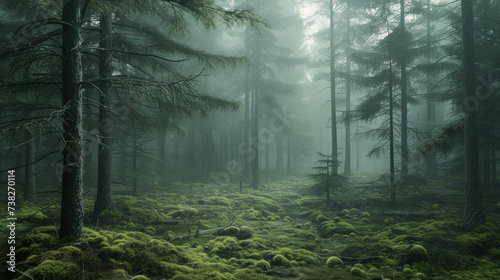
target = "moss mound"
x: 334, y: 261
x: 417, y: 253
x: 329, y: 228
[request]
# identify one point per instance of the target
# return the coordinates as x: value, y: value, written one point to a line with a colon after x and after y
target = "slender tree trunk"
x: 358, y: 157
x: 104, y: 199
x: 162, y: 151
x: 474, y: 211
x: 430, y: 160
x: 289, y: 155
x: 30, y: 182
x: 486, y: 170
x: 404, y: 104
x: 279, y: 152
x: 176, y: 151
x: 255, y: 138
x: 247, y: 142
x: 391, y: 133
x: 134, y: 166
x: 267, y: 157
x: 494, y: 167
x: 72, y: 183
x: 347, y: 160
x: 332, y: 93
x: 327, y: 186
x: 190, y: 148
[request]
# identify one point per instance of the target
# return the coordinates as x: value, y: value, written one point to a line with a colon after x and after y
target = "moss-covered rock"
x: 280, y: 260
x: 417, y: 253
x: 263, y: 264
x: 329, y: 228
x: 231, y: 231
x: 245, y: 233
x: 334, y: 261
x: 54, y: 270
x: 358, y: 272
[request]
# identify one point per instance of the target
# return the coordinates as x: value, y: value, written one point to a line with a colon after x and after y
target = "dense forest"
x: 249, y: 139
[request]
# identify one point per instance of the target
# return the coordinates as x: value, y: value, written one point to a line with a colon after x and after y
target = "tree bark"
x: 279, y: 152
x: 474, y: 211
x: 30, y: 181
x: 255, y: 144
x: 430, y: 160
x: 332, y: 93
x: 104, y: 199
x: 134, y: 166
x: 162, y: 150
x: 72, y: 183
x: 347, y: 160
x: 289, y: 155
x: 404, y: 103
x: 494, y: 167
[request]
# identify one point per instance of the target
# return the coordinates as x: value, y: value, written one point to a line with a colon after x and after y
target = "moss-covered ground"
x: 276, y: 232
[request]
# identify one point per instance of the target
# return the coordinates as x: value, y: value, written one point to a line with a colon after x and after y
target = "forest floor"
x: 188, y: 230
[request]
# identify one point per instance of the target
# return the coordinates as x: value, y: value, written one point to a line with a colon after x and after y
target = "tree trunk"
x: 404, y: 104
x: 327, y: 186
x: 30, y: 182
x: 279, y: 152
x: 494, y: 167
x: 104, y: 199
x: 289, y: 155
x: 474, y: 211
x: 347, y: 160
x: 430, y: 160
x: 246, y: 141
x: 255, y: 144
x: 162, y: 150
x: 72, y: 183
x: 391, y: 132
x: 332, y: 93
x: 134, y: 166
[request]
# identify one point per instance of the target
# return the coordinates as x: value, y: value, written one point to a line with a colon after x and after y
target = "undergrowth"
x: 176, y: 230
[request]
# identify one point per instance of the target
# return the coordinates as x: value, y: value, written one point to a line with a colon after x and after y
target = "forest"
x: 249, y: 139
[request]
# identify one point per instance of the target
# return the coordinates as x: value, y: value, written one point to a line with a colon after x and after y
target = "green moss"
x: 140, y: 277
x: 321, y: 218
x: 287, y: 219
x: 170, y: 269
x: 407, y: 271
x: 245, y: 233
x: 280, y: 260
x: 150, y: 230
x: 232, y: 230
x: 54, y: 270
x: 417, y: 253
x: 329, y: 228
x: 345, y: 212
x: 263, y: 264
x: 334, y: 261
x: 358, y: 272
x: 365, y: 215
x: 421, y: 276
x: 310, y: 236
